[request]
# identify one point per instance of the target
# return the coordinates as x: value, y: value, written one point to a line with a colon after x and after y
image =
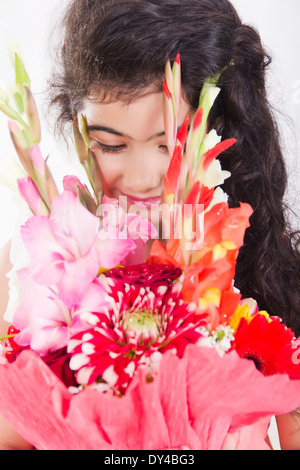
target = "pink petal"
x: 94, y: 299
x: 38, y: 159
x: 31, y: 195
x: 44, y: 249
x: 39, y: 238
x: 36, y: 303
x: 193, y: 402
x: 46, y: 324
x: 50, y: 339
x: 112, y: 251
x: 70, y: 183
x: 136, y: 256
x: 75, y: 222
x: 140, y: 227
x: 78, y: 274
x: 109, y: 200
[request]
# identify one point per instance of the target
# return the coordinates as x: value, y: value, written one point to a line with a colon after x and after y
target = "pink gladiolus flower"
x: 119, y: 224
x: 38, y: 160
x: 136, y: 226
x: 66, y: 248
x: 43, y: 176
x: 46, y: 323
x: 31, y: 195
x: 71, y: 183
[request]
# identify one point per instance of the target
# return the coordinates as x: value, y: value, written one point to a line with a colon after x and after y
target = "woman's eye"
x: 108, y: 148
x: 164, y: 148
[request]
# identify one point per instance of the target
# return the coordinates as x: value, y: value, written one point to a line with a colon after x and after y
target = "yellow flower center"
x: 141, y: 324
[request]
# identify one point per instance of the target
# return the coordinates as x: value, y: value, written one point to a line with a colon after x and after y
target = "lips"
x: 146, y: 202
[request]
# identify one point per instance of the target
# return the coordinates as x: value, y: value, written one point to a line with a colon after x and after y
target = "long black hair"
x: 120, y: 47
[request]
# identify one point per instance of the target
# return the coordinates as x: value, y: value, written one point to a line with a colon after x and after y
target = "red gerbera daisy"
x: 269, y: 343
x: 141, y: 323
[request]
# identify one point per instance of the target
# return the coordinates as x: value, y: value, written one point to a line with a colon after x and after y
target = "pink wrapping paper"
x: 193, y: 402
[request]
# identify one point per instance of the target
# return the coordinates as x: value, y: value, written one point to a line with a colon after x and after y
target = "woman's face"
x: 130, y: 145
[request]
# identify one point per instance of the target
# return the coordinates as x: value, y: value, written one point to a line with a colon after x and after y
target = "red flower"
x: 141, y: 323
x: 146, y: 274
x: 269, y: 344
x: 58, y: 362
x: 212, y: 261
x: 11, y: 348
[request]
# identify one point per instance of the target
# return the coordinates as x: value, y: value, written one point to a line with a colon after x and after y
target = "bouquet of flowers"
x: 109, y: 350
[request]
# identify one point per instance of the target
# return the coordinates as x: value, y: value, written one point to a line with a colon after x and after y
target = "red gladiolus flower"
x: 269, y: 344
x: 141, y: 323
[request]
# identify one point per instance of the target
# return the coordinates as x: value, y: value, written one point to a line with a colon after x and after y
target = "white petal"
x: 211, y: 139
x: 113, y: 355
x: 84, y: 374
x: 88, y: 349
x: 162, y: 290
x: 73, y: 343
x: 89, y: 318
x: 87, y: 337
x: 130, y: 369
x: 110, y: 376
x: 78, y: 361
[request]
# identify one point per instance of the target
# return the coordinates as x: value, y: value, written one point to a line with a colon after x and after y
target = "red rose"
x: 58, y: 362
x: 146, y: 275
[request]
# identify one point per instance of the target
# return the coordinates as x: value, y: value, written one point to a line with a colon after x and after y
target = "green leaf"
x: 82, y: 124
x: 79, y: 143
x: 31, y: 112
x: 21, y: 147
x: 19, y: 102
x: 86, y: 199
x: 96, y: 176
x: 18, y: 94
x: 22, y: 77
x: 9, y: 111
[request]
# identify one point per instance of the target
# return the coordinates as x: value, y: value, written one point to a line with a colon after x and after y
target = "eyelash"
x: 109, y: 148
x: 118, y: 148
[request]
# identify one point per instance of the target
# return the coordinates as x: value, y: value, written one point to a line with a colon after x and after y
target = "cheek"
x: 111, y: 170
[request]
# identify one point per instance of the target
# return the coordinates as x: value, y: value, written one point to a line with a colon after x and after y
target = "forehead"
x: 139, y: 118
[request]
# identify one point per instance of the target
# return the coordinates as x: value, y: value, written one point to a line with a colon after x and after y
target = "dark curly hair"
x: 120, y: 47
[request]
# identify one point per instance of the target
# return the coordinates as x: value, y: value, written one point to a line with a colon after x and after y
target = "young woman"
x: 111, y: 67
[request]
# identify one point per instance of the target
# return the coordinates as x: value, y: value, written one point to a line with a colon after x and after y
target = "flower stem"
x: 7, y: 337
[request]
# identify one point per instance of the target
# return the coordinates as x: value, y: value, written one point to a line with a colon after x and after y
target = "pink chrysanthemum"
x: 141, y: 323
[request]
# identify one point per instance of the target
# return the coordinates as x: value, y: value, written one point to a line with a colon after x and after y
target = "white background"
x: 30, y: 22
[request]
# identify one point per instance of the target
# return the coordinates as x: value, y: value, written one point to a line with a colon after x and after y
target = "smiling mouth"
x: 146, y: 202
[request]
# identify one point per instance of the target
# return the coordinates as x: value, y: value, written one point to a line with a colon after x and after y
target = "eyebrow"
x: 97, y: 127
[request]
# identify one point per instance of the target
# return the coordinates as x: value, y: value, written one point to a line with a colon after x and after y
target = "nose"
x: 142, y: 174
